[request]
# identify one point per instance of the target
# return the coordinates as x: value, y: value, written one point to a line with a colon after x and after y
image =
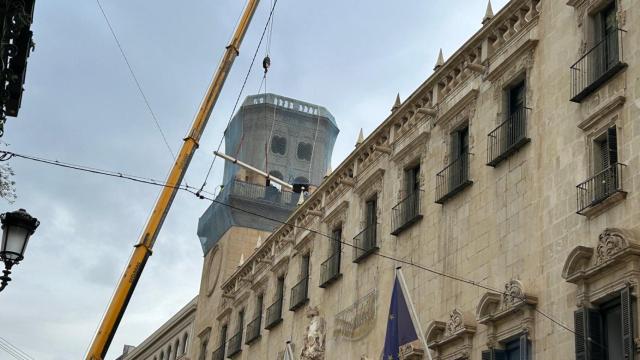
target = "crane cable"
x: 244, y: 83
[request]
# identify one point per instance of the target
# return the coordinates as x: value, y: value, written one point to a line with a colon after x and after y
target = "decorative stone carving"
x: 610, y: 242
x: 314, y: 341
x: 455, y: 322
x: 513, y: 294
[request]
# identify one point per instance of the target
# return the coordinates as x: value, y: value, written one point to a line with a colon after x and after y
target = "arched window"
x: 278, y: 145
x: 304, y: 151
x: 185, y: 337
x: 301, y: 180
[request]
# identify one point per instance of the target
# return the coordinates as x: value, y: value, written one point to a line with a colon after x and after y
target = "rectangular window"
x: 259, y: 304
x: 517, y: 98
x: 304, y: 266
x: 606, y: 331
x: 223, y: 335
x: 459, y: 143
x: 240, y: 322
x: 605, y: 150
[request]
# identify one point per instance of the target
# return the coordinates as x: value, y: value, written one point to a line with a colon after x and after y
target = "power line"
x: 13, y: 350
x: 198, y: 193
x: 135, y: 79
x: 244, y: 83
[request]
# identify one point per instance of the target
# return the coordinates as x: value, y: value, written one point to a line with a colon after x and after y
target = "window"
x: 330, y: 268
x: 455, y: 176
x: 603, y: 59
x: 279, y: 145
x: 407, y: 211
x: 606, y: 180
x: 605, y: 152
x: 299, y: 292
x: 185, y: 337
x: 273, y: 314
x: 304, y: 151
x: 366, y: 241
x: 606, y: 332
x: 203, y: 350
x: 223, y: 338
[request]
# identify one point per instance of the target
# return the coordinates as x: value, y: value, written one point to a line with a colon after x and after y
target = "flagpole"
x: 412, y: 310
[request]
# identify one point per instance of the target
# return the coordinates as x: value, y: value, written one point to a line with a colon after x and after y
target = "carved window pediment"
x: 615, y: 246
x: 494, y: 306
x: 337, y: 215
x: 453, y: 339
x: 373, y: 182
x: 508, y: 314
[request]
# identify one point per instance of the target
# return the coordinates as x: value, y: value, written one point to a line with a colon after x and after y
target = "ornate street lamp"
x: 17, y: 227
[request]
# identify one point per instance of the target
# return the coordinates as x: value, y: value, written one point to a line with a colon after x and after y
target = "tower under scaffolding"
x: 287, y: 138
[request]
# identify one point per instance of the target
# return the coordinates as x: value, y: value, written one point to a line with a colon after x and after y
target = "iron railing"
x: 453, y: 178
x: 406, y: 212
x: 597, y: 66
x: 299, y: 294
x: 253, y: 329
x: 235, y: 344
x: 273, y: 314
x: 599, y: 187
x: 508, y: 137
x: 267, y: 194
x: 218, y: 354
x: 365, y: 243
x: 330, y: 269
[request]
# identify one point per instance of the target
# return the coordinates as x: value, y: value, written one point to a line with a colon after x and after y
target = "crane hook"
x: 266, y: 63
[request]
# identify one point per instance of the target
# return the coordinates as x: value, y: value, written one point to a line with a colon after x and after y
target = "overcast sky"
x: 81, y: 106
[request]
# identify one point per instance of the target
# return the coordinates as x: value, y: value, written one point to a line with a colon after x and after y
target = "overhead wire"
x: 7, y: 155
x: 244, y: 84
x: 13, y: 350
x: 135, y: 80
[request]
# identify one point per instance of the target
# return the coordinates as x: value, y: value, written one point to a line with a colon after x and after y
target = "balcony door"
x: 606, y: 52
x: 459, y: 154
x: 605, y: 160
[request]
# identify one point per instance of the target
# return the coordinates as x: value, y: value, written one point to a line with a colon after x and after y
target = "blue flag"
x: 400, y: 329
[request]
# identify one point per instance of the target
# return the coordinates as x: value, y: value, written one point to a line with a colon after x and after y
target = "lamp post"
x: 17, y: 227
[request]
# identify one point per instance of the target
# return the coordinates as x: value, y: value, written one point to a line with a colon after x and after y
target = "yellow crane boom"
x: 142, y: 251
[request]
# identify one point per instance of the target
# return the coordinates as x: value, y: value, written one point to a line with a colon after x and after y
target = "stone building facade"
x: 515, y: 167
x: 170, y: 342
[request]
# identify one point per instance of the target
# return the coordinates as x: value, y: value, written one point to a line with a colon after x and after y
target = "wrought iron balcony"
x: 597, y: 66
x: 601, y: 187
x: 253, y: 330
x: 299, y: 294
x: 273, y: 314
x: 365, y: 243
x: 453, y: 179
x: 508, y: 137
x: 330, y: 269
x: 406, y: 212
x: 235, y: 344
x: 218, y: 354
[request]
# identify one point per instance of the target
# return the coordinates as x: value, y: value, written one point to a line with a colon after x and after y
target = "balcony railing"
x: 597, y: 66
x: 218, y: 354
x: 600, y: 187
x: 453, y: 179
x: 406, y: 212
x: 330, y: 269
x: 365, y: 243
x: 260, y: 193
x: 235, y: 344
x: 253, y: 329
x: 299, y: 294
x: 508, y: 137
x: 273, y: 314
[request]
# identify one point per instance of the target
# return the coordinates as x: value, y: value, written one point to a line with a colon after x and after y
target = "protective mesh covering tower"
x: 287, y: 138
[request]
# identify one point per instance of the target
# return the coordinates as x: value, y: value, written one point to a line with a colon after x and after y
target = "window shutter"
x: 627, y: 323
x: 486, y: 355
x: 524, y: 347
x: 581, y: 331
x: 612, y: 145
